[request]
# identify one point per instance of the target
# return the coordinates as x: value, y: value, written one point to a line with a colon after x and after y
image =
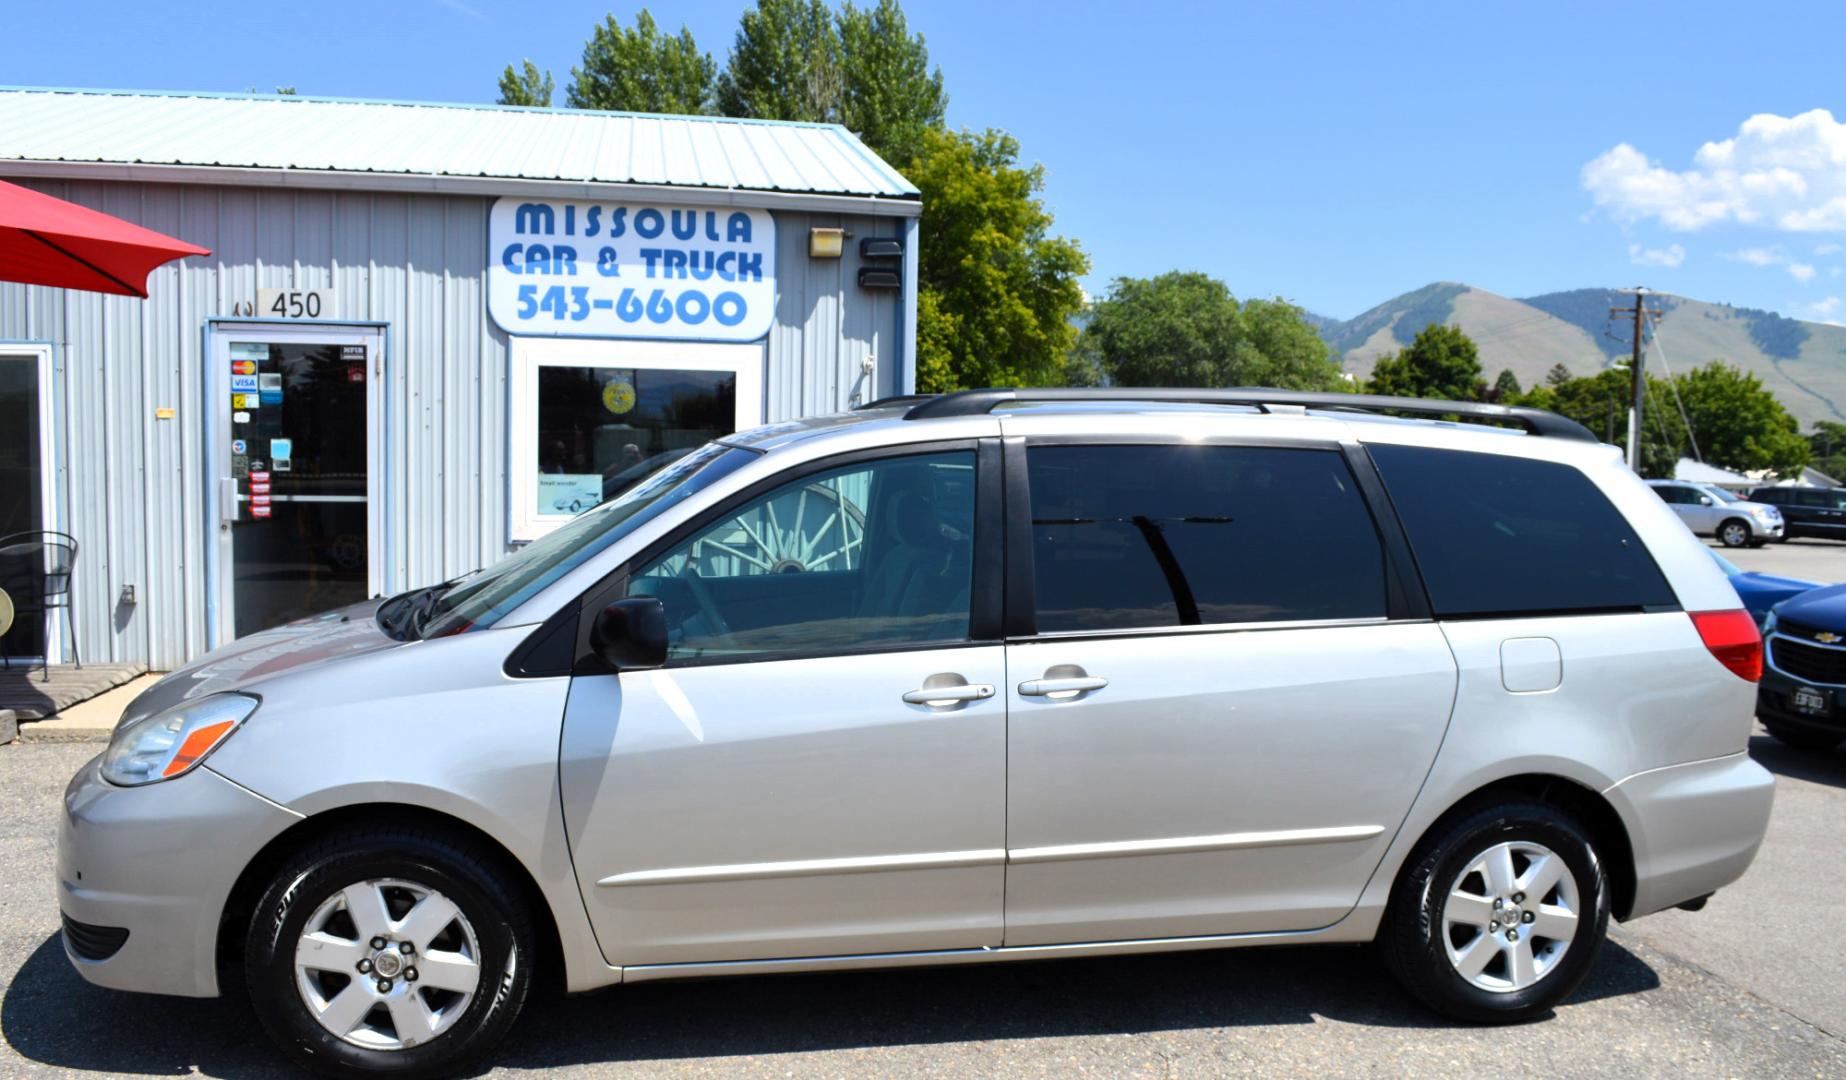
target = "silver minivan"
x: 990, y: 676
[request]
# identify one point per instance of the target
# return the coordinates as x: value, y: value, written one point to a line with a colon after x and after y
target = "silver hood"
x: 317, y: 640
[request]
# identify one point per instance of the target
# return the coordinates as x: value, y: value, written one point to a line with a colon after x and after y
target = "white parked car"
x: 1709, y: 510
x: 999, y: 675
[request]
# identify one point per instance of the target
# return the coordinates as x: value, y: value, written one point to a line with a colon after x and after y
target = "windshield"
x: 1723, y: 495
x: 483, y: 598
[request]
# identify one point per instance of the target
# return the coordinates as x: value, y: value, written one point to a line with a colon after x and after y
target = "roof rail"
x: 981, y: 402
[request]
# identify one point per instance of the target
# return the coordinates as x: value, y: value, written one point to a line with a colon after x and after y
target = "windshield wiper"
x: 402, y: 617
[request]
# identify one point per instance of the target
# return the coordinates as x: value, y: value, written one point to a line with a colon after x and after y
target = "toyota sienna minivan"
x: 996, y: 675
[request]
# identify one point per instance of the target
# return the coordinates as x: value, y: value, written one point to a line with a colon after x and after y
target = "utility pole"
x: 1637, y: 371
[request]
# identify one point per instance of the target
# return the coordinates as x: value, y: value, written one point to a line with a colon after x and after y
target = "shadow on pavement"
x: 49, y: 1015
x: 1817, y: 766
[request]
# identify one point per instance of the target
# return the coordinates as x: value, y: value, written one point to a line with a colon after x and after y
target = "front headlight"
x: 172, y: 742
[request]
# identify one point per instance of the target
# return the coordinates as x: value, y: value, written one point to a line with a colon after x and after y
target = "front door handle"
x: 939, y: 697
x: 1061, y: 689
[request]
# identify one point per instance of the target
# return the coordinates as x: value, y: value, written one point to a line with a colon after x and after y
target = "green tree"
x: 889, y: 94
x: 1827, y: 445
x: 996, y: 291
x: 1738, y: 423
x: 1600, y: 402
x: 1186, y: 329
x: 1558, y: 375
x: 642, y: 70
x: 784, y: 65
x: 1506, y: 387
x: 1441, y: 363
x: 527, y: 86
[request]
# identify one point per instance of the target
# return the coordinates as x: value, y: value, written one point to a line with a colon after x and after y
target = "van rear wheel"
x: 398, y: 952
x: 1499, y: 915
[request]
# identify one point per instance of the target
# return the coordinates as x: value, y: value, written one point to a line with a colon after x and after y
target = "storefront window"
x: 601, y: 430
x: 591, y: 418
x: 23, y: 450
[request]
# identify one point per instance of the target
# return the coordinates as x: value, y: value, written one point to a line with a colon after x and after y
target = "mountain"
x: 1802, y: 363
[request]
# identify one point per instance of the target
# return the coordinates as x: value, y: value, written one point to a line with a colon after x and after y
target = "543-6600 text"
x: 575, y: 303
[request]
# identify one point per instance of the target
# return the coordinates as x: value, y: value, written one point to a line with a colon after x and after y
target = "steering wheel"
x: 702, y: 593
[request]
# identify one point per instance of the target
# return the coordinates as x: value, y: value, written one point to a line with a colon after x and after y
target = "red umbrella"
x: 47, y: 241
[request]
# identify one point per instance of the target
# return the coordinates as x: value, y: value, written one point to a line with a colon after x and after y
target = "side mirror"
x: 1704, y: 500
x: 631, y: 634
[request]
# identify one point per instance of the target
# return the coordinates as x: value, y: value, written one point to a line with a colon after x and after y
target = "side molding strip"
x: 1178, y: 845
x: 948, y: 860
x: 933, y: 860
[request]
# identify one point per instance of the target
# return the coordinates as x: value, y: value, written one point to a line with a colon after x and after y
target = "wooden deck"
x: 25, y: 691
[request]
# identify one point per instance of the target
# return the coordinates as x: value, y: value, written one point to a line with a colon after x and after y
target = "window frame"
x: 1405, y: 597
x: 984, y: 599
x: 526, y: 355
x: 42, y: 355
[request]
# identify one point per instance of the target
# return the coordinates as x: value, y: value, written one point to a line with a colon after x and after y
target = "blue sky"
x: 1334, y: 154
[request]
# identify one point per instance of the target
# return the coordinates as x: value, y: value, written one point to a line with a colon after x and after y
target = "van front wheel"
x: 391, y: 951
x: 1499, y: 915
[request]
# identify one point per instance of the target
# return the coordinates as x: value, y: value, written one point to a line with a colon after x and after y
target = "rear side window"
x: 1128, y: 537
x: 1496, y: 535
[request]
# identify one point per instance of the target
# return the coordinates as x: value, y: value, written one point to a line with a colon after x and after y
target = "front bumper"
x: 158, y: 862
x: 1694, y: 827
x: 1775, y: 699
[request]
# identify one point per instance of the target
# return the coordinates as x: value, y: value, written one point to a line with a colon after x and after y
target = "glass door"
x: 25, y: 491
x: 293, y: 433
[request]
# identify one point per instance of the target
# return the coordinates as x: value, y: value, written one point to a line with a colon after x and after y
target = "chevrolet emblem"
x: 1826, y: 637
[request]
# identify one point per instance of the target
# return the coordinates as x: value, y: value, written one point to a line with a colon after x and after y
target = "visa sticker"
x: 243, y: 383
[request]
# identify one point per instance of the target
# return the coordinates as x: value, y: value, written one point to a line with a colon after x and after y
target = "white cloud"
x: 1776, y: 256
x: 1827, y: 311
x: 1670, y: 256
x: 1828, y: 249
x: 1779, y: 172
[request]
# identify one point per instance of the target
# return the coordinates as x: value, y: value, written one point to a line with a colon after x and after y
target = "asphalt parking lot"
x: 1754, y: 985
x: 1814, y: 560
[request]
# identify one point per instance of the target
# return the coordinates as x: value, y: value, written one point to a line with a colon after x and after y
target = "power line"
x: 1691, y: 435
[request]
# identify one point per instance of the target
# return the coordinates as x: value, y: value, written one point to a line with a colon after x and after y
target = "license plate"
x: 1809, y: 700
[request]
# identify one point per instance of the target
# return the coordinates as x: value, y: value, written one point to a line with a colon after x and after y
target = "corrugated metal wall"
x: 131, y: 488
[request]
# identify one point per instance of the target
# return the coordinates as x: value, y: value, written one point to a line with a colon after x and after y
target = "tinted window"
x: 1812, y: 498
x: 1506, y: 535
x: 1678, y: 496
x: 1148, y: 536
x: 1767, y: 495
x: 874, y: 554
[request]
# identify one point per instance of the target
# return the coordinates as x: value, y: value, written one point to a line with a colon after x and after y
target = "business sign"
x: 630, y: 270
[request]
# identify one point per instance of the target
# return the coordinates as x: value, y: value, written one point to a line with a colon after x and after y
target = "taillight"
x: 1732, y: 638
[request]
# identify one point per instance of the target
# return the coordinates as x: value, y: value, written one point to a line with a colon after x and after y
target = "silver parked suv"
x: 990, y: 676
x: 1709, y: 510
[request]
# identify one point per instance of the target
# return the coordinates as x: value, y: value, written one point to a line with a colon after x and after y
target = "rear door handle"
x: 1060, y: 689
x: 937, y: 697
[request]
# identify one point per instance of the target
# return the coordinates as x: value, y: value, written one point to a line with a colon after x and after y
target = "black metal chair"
x: 35, y: 570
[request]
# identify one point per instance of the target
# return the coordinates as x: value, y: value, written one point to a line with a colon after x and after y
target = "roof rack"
x: 981, y: 402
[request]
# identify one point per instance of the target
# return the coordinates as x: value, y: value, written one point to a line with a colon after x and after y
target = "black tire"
x: 462, y: 870
x: 1735, y: 533
x: 1804, y: 738
x: 1411, y: 939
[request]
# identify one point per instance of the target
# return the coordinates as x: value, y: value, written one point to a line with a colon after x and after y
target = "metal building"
x: 426, y: 333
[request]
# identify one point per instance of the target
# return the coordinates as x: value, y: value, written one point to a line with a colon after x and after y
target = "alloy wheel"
x: 387, y: 964
x: 1510, y: 916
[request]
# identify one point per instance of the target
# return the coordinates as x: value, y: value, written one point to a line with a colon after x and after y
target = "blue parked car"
x: 1804, y: 670
x: 1760, y: 592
